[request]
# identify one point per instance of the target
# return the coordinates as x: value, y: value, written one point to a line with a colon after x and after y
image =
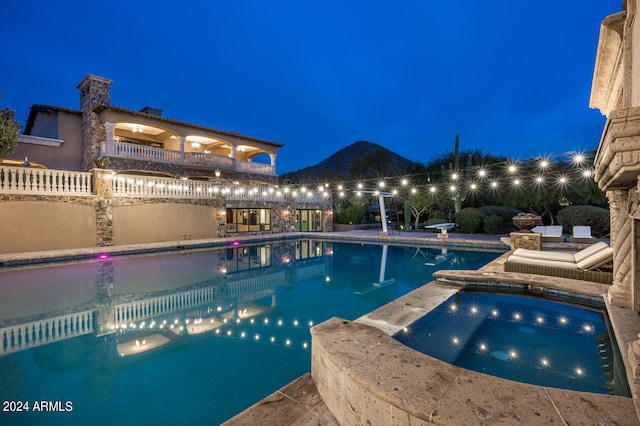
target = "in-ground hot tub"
x: 526, y: 339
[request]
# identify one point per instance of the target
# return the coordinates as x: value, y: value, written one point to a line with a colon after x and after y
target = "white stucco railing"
x: 160, y: 155
x: 247, y: 166
x: 43, y: 332
x: 214, y: 160
x: 158, y: 187
x: 142, y: 152
x: 140, y: 310
x: 24, y: 180
x: 143, y: 186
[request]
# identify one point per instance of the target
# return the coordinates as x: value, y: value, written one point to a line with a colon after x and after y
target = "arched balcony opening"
x: 140, y: 140
x: 254, y: 158
x: 145, y: 134
x: 207, y: 145
x: 253, y: 154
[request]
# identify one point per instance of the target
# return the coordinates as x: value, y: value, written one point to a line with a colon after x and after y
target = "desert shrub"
x: 596, y: 217
x: 493, y: 224
x: 505, y: 213
x: 353, y: 214
x: 470, y: 219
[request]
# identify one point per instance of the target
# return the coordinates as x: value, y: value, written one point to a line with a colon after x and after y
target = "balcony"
x: 198, y: 160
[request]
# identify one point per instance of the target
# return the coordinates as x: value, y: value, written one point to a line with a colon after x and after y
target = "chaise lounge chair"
x: 582, y: 234
x: 589, y: 264
x: 551, y: 233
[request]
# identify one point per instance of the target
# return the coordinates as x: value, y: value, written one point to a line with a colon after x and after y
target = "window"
x: 239, y: 259
x: 307, y: 249
x: 248, y: 220
x: 308, y: 220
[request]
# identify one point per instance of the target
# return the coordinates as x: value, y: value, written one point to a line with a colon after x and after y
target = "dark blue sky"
x: 512, y: 78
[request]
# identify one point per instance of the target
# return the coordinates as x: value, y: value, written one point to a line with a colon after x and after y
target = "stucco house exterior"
x: 143, y: 140
x: 106, y: 175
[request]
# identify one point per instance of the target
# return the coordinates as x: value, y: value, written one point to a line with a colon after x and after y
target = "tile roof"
x: 100, y: 107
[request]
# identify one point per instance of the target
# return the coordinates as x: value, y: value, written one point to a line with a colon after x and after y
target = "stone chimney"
x: 94, y: 90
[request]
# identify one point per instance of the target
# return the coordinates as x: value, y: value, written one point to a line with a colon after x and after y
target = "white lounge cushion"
x: 541, y: 262
x: 582, y: 232
x: 545, y: 255
x: 553, y: 231
x: 596, y: 260
x: 548, y: 231
x: 560, y: 256
x: 590, y: 251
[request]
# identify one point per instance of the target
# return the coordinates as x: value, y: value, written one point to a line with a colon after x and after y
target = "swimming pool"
x: 187, y: 337
x: 525, y: 339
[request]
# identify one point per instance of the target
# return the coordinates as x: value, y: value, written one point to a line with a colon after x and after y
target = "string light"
x: 513, y: 177
x: 578, y: 160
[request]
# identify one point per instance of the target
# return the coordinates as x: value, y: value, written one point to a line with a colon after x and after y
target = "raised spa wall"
x: 365, y: 376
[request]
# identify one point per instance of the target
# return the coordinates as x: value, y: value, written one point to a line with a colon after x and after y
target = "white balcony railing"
x: 214, y: 160
x: 142, y: 152
x: 158, y: 187
x: 43, y: 332
x: 27, y: 181
x: 200, y: 159
x: 24, y: 180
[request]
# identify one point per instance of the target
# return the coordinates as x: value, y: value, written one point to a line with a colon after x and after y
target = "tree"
x: 9, y: 131
x: 420, y: 201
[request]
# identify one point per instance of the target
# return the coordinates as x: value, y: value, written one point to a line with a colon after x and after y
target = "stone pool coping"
x: 364, y: 376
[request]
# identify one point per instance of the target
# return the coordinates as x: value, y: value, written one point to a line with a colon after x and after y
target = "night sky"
x: 512, y: 78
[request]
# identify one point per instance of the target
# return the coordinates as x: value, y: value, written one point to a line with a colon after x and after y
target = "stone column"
x: 94, y: 90
x: 104, y: 210
x: 181, y: 140
x: 109, y: 128
x: 620, y: 293
x: 104, y: 318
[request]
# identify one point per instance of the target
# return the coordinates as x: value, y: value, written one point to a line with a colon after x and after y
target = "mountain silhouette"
x: 361, y: 159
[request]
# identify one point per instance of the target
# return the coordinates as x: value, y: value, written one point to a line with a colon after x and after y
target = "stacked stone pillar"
x: 104, y: 207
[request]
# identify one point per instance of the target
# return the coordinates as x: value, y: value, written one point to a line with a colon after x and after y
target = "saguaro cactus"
x: 462, y: 177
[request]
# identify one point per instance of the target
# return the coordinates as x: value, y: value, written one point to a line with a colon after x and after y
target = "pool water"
x: 524, y: 339
x: 187, y: 337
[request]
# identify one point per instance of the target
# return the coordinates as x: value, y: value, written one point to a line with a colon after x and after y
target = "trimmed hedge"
x: 493, y: 224
x: 505, y: 213
x: 470, y: 220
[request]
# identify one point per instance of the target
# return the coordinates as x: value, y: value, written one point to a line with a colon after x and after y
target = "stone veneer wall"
x: 94, y: 90
x: 526, y: 240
